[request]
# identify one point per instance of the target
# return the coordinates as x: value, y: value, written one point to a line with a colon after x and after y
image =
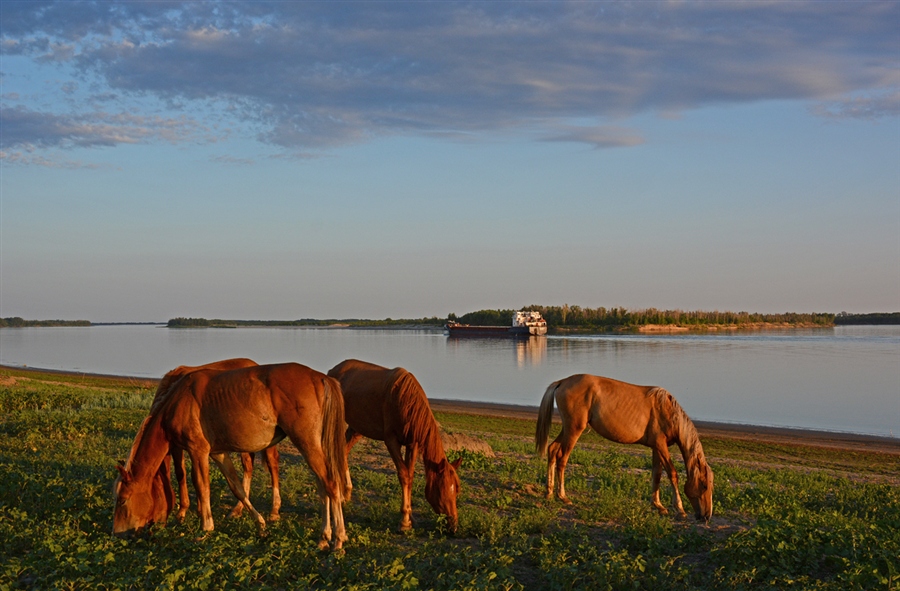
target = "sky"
x: 365, y: 159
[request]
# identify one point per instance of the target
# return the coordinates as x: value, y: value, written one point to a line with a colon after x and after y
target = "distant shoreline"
x: 759, y: 433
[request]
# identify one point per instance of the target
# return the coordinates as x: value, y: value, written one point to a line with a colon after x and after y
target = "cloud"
x: 26, y: 158
x: 311, y: 76
x: 861, y: 107
x: 599, y: 137
x: 23, y: 127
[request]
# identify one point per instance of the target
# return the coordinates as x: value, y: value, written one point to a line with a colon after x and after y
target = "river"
x: 844, y: 379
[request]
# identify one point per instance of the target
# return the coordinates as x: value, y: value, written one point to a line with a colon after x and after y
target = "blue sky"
x: 282, y: 160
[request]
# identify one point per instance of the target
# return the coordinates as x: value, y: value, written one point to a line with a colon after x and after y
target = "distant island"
x: 560, y: 320
x: 563, y: 319
x: 16, y: 322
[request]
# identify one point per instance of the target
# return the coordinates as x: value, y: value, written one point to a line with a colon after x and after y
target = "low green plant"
x: 786, y: 517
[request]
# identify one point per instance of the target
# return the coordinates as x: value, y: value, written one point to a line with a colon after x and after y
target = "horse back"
x: 375, y: 398
x: 171, y: 377
x: 241, y: 409
x: 616, y: 410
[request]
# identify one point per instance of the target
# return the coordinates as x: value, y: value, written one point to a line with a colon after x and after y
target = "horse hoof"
x: 274, y: 516
x: 565, y: 500
x: 323, y: 545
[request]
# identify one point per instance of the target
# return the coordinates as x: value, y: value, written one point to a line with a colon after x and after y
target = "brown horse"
x: 270, y: 455
x: 389, y: 405
x: 625, y: 413
x: 213, y: 413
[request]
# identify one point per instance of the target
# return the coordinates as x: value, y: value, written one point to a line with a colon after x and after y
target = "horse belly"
x: 245, y: 440
x: 619, y: 419
x: 247, y: 431
x: 365, y: 415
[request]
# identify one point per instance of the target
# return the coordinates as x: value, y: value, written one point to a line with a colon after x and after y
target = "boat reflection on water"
x: 531, y: 351
x: 527, y: 351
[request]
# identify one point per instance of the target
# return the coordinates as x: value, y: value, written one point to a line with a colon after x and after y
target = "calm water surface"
x: 841, y: 379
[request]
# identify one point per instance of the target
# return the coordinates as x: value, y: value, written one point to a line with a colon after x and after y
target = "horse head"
x: 141, y: 502
x: 699, y: 491
x: 442, y: 488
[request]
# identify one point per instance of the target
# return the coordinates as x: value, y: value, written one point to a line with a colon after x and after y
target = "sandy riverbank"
x: 849, y: 441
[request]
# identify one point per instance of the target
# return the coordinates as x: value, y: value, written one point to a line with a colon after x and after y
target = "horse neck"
x: 423, y: 430
x: 149, y: 450
x: 433, y: 449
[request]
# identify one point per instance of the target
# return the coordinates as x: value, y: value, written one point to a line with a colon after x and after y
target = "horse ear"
x: 457, y: 463
x: 123, y: 473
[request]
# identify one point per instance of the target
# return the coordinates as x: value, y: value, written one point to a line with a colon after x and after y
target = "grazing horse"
x: 625, y: 413
x: 389, y: 405
x: 270, y: 455
x: 213, y: 413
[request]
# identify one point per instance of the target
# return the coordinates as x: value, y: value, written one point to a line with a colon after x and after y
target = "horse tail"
x: 333, y: 429
x: 545, y: 418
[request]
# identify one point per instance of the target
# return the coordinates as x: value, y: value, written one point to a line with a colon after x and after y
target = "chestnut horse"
x: 213, y: 413
x: 270, y: 455
x: 389, y: 405
x: 625, y: 413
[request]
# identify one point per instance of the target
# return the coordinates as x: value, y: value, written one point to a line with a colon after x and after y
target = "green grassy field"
x: 786, y: 516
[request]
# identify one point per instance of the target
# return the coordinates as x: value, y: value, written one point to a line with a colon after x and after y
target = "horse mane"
x: 166, y: 386
x: 419, y: 425
x: 675, y: 420
x: 138, y: 439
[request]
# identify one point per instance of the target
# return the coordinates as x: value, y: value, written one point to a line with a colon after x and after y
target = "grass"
x: 786, y: 516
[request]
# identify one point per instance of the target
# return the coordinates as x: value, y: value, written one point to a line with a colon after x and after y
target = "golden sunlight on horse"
x: 270, y: 454
x: 389, y: 405
x: 212, y: 413
x: 625, y: 413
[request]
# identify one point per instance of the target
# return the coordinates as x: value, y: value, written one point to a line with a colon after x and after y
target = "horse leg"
x: 200, y: 476
x: 223, y: 460
x: 405, y: 476
x: 669, y: 466
x: 247, y: 465
x: 657, y: 475
x: 328, y: 492
x: 560, y: 450
x: 271, y: 457
x: 663, y: 461
x: 184, y: 499
x: 352, y: 438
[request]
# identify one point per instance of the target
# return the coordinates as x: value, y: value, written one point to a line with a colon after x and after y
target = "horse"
x: 625, y: 413
x: 390, y: 405
x: 211, y: 413
x: 270, y: 455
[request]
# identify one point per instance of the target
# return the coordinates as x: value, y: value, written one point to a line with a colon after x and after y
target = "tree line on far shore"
x: 577, y: 318
x: 18, y: 322
x: 567, y: 317
x: 559, y: 318
x: 310, y: 322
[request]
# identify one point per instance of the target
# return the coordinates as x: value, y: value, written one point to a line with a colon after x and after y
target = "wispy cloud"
x: 36, y: 129
x: 312, y: 76
x: 598, y: 137
x: 861, y: 107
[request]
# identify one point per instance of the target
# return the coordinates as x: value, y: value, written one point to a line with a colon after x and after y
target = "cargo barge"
x: 524, y: 324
